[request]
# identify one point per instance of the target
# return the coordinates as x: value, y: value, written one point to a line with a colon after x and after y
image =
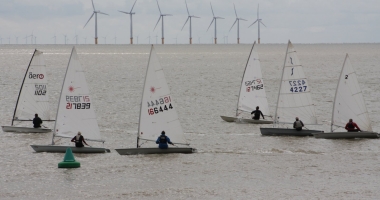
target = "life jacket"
x: 163, y: 139
x: 350, y: 125
x: 298, y: 124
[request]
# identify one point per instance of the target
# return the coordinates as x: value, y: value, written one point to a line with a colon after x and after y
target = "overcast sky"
x: 301, y: 21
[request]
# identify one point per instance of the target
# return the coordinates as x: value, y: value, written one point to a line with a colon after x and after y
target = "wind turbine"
x: 149, y: 38
x: 96, y: 21
x: 238, y: 25
x: 189, y: 17
x: 76, y: 38
x: 9, y: 40
x: 161, y: 16
x: 130, y: 13
x: 65, y: 38
x: 55, y: 39
x: 85, y: 40
x: 115, y: 38
x: 16, y: 39
x: 26, y: 39
x: 31, y: 38
x: 214, y: 19
x: 105, y: 39
x: 258, y: 20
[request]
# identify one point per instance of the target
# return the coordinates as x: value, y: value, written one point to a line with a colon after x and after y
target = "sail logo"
x: 36, y: 76
x: 40, y: 89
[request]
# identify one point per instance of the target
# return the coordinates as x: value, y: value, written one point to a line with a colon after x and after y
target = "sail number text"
x: 159, y: 105
x: 78, y: 102
x: 254, y: 85
x: 298, y: 85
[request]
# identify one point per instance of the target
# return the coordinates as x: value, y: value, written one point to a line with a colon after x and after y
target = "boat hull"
x: 134, y: 151
x: 62, y: 149
x: 346, y: 135
x: 287, y: 132
x: 251, y: 121
x: 25, y: 129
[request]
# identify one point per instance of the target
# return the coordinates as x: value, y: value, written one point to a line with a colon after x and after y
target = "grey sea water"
x: 233, y: 161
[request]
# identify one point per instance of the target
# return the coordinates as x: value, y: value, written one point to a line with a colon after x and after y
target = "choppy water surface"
x: 233, y: 161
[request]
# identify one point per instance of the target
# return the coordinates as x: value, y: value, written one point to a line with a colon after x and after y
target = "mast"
x: 60, y: 95
x: 18, y: 98
x: 241, y: 85
x: 279, y: 89
x: 142, y: 96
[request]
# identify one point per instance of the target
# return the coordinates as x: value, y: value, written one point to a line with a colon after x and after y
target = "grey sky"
x: 301, y: 21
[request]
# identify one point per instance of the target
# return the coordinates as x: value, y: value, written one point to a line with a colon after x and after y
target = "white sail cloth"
x: 76, y: 109
x: 158, y: 110
x: 349, y: 102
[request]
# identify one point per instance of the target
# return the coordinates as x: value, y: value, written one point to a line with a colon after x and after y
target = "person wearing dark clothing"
x: 256, y: 114
x: 298, y: 124
x: 352, y: 126
x: 79, y: 140
x: 37, y: 121
x: 163, y: 141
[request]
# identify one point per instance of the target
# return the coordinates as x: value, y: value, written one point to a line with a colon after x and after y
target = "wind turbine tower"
x: 189, y: 17
x: 162, y: 21
x: 55, y: 39
x: 238, y: 25
x: 214, y: 19
x: 258, y: 20
x: 130, y: 13
x: 96, y: 21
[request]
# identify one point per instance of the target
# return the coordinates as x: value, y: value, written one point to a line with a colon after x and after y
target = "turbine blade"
x: 212, y: 10
x: 123, y: 12
x: 158, y: 7
x: 157, y: 22
x: 258, y: 5
x: 262, y: 23
x: 103, y: 13
x: 235, y: 11
x: 93, y: 4
x: 187, y: 8
x: 195, y: 16
x: 233, y: 24
x: 89, y: 19
x: 133, y: 6
x: 242, y: 19
x: 185, y: 22
x: 210, y: 23
x: 253, y: 23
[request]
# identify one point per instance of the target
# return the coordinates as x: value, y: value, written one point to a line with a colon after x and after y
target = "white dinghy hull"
x: 135, y: 151
x: 346, y: 135
x: 62, y: 149
x: 287, y: 132
x: 242, y: 120
x: 25, y: 129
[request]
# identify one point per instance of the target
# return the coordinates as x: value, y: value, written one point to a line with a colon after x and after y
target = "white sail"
x: 294, y: 98
x: 34, y: 95
x: 158, y: 110
x: 76, y: 109
x: 252, y: 91
x: 349, y: 102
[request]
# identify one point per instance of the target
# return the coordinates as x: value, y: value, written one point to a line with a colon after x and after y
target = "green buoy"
x: 69, y: 160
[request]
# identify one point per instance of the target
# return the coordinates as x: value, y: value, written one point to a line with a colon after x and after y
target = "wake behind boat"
x: 294, y: 99
x: 75, y: 112
x: 33, y: 97
x: 157, y: 113
x: 252, y: 92
x: 349, y: 104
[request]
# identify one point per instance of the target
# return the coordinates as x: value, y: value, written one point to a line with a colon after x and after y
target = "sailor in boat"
x: 256, y: 114
x: 352, y: 126
x: 37, y: 121
x: 298, y: 124
x: 79, y: 140
x: 163, y: 141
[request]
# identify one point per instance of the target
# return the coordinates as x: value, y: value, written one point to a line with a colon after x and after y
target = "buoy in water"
x: 69, y: 160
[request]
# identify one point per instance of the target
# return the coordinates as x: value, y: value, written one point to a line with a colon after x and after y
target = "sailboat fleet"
x: 76, y: 112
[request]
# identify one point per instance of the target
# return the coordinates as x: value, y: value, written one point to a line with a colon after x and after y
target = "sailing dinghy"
x: 294, y: 99
x: 349, y: 104
x: 33, y: 97
x: 157, y: 113
x: 75, y: 112
x: 252, y: 92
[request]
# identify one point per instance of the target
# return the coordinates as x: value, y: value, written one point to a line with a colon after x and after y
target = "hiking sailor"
x: 352, y: 126
x: 37, y: 121
x: 163, y: 141
x: 79, y: 140
x: 256, y: 114
x: 298, y: 124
